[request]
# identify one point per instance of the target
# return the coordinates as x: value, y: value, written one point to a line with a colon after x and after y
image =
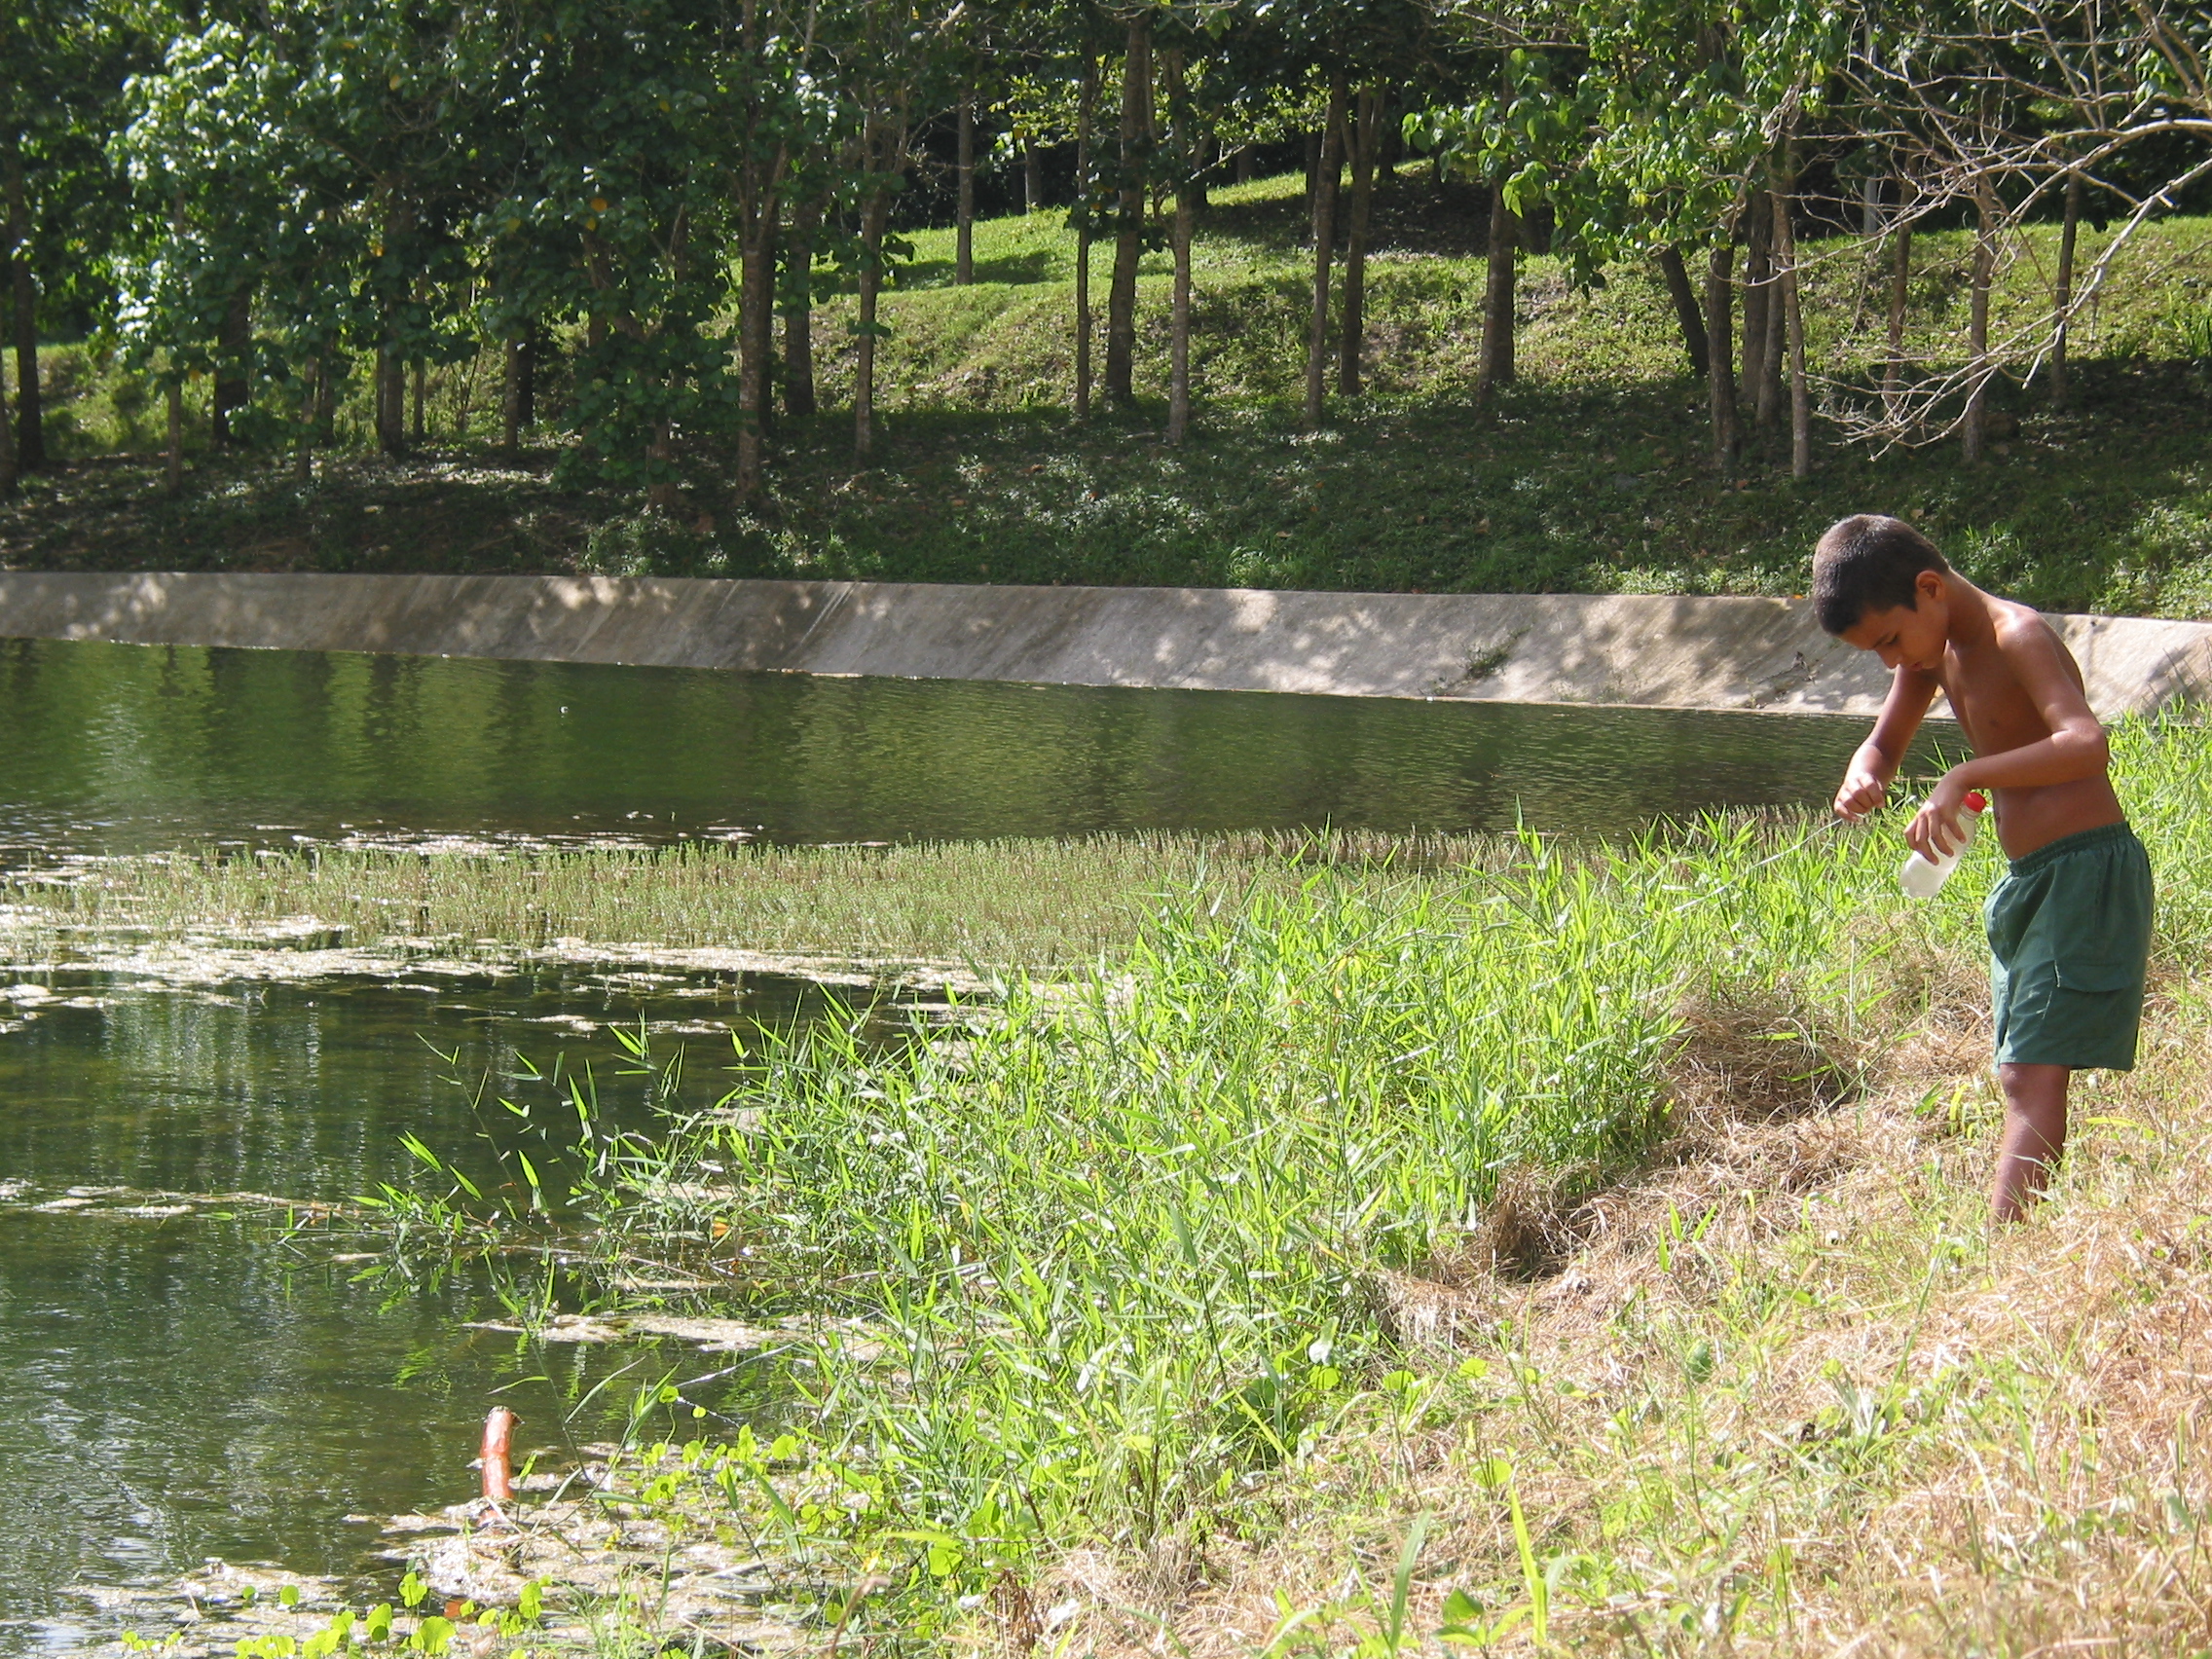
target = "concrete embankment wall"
x: 1648, y: 651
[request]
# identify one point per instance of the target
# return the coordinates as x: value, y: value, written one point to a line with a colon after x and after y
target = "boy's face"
x: 1911, y: 635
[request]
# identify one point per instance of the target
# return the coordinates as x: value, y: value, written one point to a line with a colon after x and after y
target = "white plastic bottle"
x: 1922, y: 879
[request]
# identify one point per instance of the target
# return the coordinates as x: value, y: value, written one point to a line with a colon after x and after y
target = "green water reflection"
x: 173, y: 1387
x: 122, y: 747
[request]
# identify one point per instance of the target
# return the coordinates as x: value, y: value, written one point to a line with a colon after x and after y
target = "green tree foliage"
x: 271, y: 206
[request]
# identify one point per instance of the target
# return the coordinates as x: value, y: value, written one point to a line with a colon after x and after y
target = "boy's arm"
x: 2077, y: 747
x: 1867, y: 779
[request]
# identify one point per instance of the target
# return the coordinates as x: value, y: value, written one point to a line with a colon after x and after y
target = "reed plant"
x: 1030, y: 904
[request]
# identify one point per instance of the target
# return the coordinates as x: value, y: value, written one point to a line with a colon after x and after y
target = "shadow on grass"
x: 1013, y: 270
x: 1562, y: 489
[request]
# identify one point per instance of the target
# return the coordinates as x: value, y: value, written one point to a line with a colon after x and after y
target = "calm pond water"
x: 176, y: 1385
x: 131, y: 747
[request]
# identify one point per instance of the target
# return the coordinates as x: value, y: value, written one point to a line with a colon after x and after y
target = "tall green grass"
x: 1115, y: 1252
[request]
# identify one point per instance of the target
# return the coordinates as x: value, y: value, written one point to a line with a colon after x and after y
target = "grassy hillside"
x: 1589, y: 475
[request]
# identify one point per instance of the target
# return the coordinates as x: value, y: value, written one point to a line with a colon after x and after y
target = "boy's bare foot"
x: 2035, y: 1135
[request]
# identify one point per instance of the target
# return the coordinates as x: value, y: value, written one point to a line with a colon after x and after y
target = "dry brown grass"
x: 1782, y: 1393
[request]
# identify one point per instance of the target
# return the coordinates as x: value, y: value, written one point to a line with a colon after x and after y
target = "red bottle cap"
x: 1977, y: 801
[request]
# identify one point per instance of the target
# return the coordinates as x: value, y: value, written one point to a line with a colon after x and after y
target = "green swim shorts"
x: 2069, y: 941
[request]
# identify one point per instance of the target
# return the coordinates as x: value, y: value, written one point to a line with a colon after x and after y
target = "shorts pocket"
x: 2099, y: 975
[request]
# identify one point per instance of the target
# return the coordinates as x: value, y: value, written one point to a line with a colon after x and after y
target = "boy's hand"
x: 1862, y: 792
x: 1933, y: 833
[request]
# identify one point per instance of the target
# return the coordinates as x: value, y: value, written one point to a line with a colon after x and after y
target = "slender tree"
x: 1324, y: 239
x: 1979, y: 365
x: 1721, y: 356
x: 1184, y: 151
x: 964, y: 216
x: 1129, y: 217
x: 1899, y: 292
x: 1502, y: 256
x: 798, y: 306
x: 1085, y: 218
x: 8, y: 470
x: 1794, y: 324
x: 30, y: 418
x: 1688, y: 317
x: 2062, y: 291
x: 1365, y: 133
x: 885, y: 132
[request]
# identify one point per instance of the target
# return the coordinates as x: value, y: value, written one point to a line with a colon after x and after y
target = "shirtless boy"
x: 2069, y: 922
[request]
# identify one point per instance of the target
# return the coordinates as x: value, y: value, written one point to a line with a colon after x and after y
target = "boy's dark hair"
x: 1869, y: 561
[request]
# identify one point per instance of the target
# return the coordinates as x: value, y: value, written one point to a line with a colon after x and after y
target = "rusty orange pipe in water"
x: 498, y: 1462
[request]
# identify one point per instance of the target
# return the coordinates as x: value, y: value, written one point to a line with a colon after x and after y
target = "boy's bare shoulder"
x: 2029, y: 642
x: 2013, y: 618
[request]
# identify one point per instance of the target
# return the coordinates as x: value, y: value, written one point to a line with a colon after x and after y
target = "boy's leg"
x: 2035, y: 1135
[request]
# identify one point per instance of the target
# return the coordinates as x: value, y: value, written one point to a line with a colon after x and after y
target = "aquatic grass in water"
x: 1033, y: 903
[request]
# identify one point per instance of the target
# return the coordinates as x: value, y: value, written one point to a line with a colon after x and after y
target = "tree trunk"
x: 1720, y: 354
x: 755, y: 331
x: 763, y: 345
x: 392, y: 400
x: 325, y: 401
x: 1758, y: 267
x: 1772, y: 357
x: 1032, y: 178
x: 1324, y: 237
x: 662, y: 494
x: 1495, y: 365
x: 422, y: 388
x: 6, y: 438
x: 1128, y: 243
x: 303, y: 426
x: 30, y: 421
x: 1179, y: 323
x: 175, y: 472
x: 1686, y: 311
x: 397, y: 368
x: 1366, y: 141
x: 2062, y: 298
x: 1312, y: 169
x: 1900, y: 283
x: 533, y: 342
x: 510, y: 400
x: 233, y: 342
x: 1766, y: 403
x: 873, y: 218
x: 30, y: 417
x: 8, y: 467
x: 1794, y: 324
x: 1179, y: 316
x: 1978, y: 322
x: 964, y: 167
x: 1086, y: 102
x: 799, y: 310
